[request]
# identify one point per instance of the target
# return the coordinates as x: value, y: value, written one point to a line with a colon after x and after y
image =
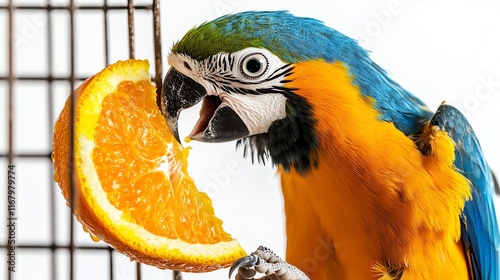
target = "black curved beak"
x: 218, y: 122
x: 178, y: 92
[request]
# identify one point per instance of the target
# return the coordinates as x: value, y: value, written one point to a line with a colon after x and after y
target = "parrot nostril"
x: 187, y: 65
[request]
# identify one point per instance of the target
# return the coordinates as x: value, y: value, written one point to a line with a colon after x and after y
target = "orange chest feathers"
x: 384, y: 205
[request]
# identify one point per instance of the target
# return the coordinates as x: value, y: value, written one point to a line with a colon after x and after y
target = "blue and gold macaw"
x: 375, y: 185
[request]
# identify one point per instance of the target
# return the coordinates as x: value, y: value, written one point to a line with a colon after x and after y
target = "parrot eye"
x: 254, y: 65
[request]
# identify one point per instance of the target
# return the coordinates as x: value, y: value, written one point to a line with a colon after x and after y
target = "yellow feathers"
x: 374, y: 193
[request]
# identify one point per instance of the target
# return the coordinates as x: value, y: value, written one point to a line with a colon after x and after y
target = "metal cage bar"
x: 72, y: 78
x: 50, y: 102
x: 10, y: 94
x: 71, y: 138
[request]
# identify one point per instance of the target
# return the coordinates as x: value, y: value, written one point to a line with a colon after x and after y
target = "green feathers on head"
x: 224, y: 34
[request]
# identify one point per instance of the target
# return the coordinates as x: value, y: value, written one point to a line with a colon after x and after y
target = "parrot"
x: 375, y: 185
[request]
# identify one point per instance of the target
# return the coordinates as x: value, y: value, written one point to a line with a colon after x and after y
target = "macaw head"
x: 242, y: 68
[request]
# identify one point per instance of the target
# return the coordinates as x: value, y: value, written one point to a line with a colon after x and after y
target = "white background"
x: 439, y: 51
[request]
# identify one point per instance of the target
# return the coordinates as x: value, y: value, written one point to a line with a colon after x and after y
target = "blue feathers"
x: 296, y: 39
x: 480, y: 232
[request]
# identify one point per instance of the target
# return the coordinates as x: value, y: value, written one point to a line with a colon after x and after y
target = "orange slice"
x: 132, y: 189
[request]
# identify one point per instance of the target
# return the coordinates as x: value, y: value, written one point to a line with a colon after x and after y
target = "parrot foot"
x: 263, y: 260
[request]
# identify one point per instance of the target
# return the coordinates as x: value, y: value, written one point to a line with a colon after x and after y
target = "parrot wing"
x: 479, y: 225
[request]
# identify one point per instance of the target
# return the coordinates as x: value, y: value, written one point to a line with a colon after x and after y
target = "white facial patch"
x: 258, y: 112
x: 225, y: 75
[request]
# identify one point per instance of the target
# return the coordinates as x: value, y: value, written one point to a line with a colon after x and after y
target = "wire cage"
x: 54, y: 252
x: 47, y: 48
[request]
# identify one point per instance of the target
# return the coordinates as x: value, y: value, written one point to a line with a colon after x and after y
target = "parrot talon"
x: 265, y: 261
x: 245, y: 262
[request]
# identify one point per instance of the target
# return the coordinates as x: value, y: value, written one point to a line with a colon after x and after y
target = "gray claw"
x: 245, y: 262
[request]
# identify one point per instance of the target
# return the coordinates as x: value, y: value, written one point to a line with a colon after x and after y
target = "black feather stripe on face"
x: 290, y: 142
